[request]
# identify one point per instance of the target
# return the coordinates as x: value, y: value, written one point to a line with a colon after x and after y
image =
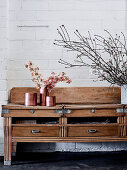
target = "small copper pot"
x: 42, y: 100
x: 50, y: 100
x: 30, y: 99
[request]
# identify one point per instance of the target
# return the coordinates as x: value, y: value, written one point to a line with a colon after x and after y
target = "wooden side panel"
x: 72, y: 95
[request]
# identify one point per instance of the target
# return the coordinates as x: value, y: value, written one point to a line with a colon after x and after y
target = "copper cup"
x: 30, y: 99
x: 42, y: 100
x: 50, y: 100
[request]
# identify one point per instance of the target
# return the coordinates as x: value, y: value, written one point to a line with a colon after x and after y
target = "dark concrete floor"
x: 68, y: 161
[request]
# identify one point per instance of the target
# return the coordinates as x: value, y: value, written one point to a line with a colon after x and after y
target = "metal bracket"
x: 125, y: 110
x: 8, y: 163
x: 67, y: 111
x: 92, y: 110
x: 5, y: 111
x: 119, y: 110
x: 63, y: 111
x: 32, y: 111
x: 59, y: 111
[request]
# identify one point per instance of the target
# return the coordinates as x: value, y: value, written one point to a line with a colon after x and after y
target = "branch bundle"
x: 112, y: 68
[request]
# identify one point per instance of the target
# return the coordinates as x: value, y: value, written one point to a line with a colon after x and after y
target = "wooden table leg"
x: 7, y: 141
x: 14, y: 148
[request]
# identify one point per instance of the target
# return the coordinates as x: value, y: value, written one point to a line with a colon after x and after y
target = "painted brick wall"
x: 3, y: 63
x: 36, y: 44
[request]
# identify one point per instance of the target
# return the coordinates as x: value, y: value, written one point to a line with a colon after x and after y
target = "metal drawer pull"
x: 92, y: 131
x: 35, y: 131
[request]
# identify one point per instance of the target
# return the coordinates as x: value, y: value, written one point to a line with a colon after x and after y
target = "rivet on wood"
x: 32, y: 111
x: 92, y: 110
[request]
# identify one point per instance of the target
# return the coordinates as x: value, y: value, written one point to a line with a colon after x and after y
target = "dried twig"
x: 113, y: 68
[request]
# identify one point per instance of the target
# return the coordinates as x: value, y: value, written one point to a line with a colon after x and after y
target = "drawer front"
x: 93, y: 113
x: 33, y: 113
x: 35, y: 131
x: 92, y: 131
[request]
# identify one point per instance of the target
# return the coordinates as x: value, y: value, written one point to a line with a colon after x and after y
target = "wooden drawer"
x: 32, y: 113
x: 93, y: 113
x: 35, y: 131
x: 92, y: 131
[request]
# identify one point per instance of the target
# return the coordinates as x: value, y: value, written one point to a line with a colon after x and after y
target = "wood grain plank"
x: 72, y: 95
x: 69, y: 139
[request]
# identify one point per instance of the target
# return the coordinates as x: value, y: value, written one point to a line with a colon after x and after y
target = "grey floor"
x: 68, y: 161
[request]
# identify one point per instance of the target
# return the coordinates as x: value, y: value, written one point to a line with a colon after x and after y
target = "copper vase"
x: 44, y: 91
x: 50, y: 100
x: 30, y: 99
x: 42, y: 100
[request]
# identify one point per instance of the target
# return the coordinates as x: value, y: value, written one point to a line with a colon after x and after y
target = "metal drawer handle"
x: 35, y: 131
x: 92, y: 131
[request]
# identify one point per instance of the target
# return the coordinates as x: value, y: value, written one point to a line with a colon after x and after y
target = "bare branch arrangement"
x: 112, y: 68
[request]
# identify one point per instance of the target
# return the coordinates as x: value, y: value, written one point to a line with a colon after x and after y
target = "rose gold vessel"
x: 44, y: 91
x: 30, y: 99
x: 50, y: 100
x: 42, y: 100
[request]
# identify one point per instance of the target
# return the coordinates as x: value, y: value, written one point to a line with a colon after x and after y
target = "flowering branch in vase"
x: 108, y: 56
x: 50, y: 82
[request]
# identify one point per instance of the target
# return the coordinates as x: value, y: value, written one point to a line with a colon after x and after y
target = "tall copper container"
x: 44, y: 91
x: 42, y: 100
x: 50, y: 100
x: 30, y: 99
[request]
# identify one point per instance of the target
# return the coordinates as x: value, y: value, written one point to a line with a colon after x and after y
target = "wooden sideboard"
x: 82, y: 114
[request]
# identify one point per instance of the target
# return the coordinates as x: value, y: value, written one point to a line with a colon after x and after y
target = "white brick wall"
x: 3, y: 64
x: 36, y: 44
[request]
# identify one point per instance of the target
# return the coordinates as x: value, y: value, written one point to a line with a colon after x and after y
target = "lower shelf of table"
x: 68, y: 139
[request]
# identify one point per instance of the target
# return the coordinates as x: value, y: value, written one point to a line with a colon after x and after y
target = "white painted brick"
x: 15, y: 5
x: 3, y: 85
x: 22, y: 35
x: 35, y: 4
x: 3, y: 43
x: 20, y: 83
x: 26, y: 15
x: 2, y: 33
x: 3, y: 75
x: 3, y: 3
x: 3, y: 23
x: 3, y: 95
x: 32, y: 44
x: 12, y: 15
x: 3, y: 53
x: 88, y: 146
x: 3, y: 11
x: 62, y: 146
x: 3, y: 103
